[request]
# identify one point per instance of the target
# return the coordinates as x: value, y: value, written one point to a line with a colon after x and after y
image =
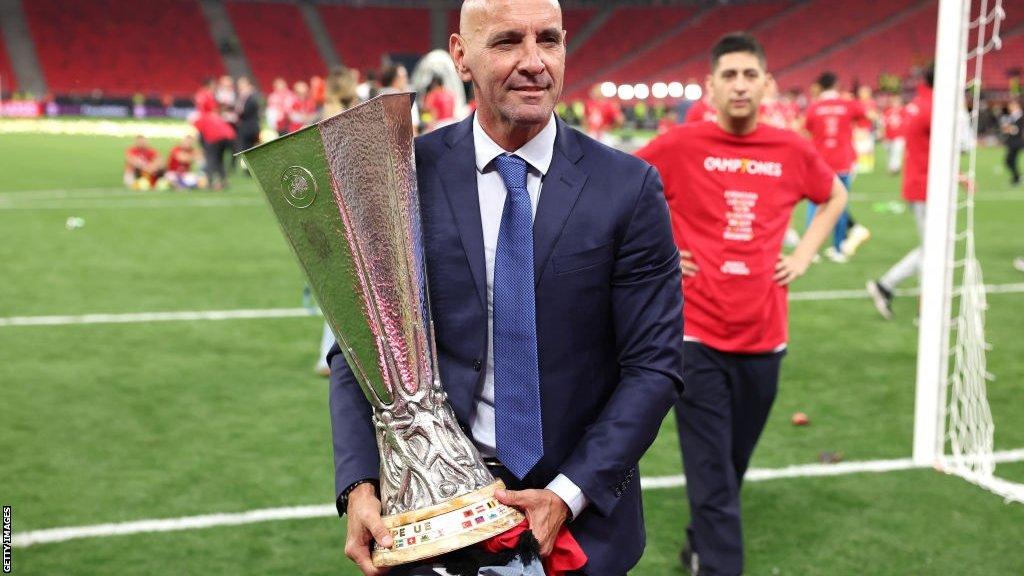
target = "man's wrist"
x: 570, y: 494
x: 357, y: 489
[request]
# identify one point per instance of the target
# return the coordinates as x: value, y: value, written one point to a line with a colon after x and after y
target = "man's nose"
x: 530, y: 62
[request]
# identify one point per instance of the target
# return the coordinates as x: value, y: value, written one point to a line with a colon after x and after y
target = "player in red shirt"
x: 601, y: 115
x: 218, y: 138
x: 895, y: 144
x: 179, y: 164
x: 917, y: 128
x: 142, y: 164
x: 303, y: 111
x: 830, y: 121
x: 700, y: 111
x: 731, y: 186
x: 440, y: 102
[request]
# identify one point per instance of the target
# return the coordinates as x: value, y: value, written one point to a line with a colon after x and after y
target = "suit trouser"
x: 720, y: 416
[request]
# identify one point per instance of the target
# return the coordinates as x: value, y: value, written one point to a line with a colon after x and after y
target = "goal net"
x: 954, y: 430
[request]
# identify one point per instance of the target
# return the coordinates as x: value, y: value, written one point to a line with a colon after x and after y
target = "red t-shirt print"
x: 830, y: 122
x: 731, y: 198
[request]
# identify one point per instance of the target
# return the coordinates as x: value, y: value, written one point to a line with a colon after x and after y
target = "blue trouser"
x: 720, y: 416
x: 839, y: 233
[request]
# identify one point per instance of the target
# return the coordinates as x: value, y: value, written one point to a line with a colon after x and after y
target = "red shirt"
x: 917, y: 129
x: 892, y: 118
x: 302, y: 114
x: 176, y: 165
x: 731, y: 198
x: 143, y: 153
x: 441, y: 104
x: 830, y: 122
x: 601, y: 115
x: 205, y: 102
x: 213, y: 128
x: 701, y: 111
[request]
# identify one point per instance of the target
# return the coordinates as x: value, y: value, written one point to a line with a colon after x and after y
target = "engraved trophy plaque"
x: 344, y: 193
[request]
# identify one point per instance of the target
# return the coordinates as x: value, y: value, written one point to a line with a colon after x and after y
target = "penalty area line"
x: 55, y: 535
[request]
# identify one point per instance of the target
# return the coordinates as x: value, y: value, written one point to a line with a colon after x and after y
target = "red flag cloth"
x: 566, y: 556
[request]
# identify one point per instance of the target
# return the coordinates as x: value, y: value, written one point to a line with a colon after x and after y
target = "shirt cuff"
x: 570, y: 493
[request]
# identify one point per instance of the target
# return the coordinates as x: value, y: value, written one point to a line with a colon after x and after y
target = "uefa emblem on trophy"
x: 344, y: 193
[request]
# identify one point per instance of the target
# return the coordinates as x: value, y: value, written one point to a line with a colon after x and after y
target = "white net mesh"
x: 969, y: 427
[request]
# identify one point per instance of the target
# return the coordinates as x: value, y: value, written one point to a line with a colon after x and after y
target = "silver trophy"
x: 344, y: 192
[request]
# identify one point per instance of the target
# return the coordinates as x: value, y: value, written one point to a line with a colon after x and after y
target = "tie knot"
x: 513, y: 171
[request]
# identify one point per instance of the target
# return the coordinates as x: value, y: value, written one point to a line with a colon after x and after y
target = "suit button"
x: 477, y: 365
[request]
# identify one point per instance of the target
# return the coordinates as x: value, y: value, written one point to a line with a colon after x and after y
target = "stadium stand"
x: 8, y: 82
x: 999, y: 65
x: 276, y: 42
x: 684, y: 55
x: 573, y: 19
x: 364, y: 35
x: 627, y: 31
x: 845, y: 18
x: 895, y: 47
x: 116, y: 47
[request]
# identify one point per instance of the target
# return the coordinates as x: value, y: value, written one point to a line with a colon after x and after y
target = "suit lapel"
x: 562, y: 186
x: 457, y: 170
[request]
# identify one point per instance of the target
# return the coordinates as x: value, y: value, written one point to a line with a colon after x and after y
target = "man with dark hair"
x: 731, y: 186
x: 917, y: 129
x: 830, y: 121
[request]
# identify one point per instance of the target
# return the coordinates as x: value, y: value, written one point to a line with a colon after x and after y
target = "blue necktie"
x: 517, y: 421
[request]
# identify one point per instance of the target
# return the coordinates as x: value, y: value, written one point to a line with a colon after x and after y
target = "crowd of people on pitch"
x: 231, y: 116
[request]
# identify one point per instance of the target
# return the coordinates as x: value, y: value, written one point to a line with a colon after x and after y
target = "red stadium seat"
x: 364, y: 35
x: 123, y: 47
x: 626, y: 31
x: 8, y: 83
x: 685, y: 55
x: 276, y: 41
x: 894, y: 47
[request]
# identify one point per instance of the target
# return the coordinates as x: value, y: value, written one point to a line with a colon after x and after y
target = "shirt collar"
x: 830, y: 94
x: 537, y: 152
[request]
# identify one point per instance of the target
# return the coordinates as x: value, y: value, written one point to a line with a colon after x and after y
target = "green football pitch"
x: 116, y: 422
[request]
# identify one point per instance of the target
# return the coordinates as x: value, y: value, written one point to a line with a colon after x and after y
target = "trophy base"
x: 455, y: 524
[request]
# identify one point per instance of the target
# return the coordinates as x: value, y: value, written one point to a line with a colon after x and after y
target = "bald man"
x: 554, y: 287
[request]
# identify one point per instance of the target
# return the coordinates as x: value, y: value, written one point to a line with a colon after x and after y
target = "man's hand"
x: 365, y: 526
x: 544, y: 509
x: 789, y: 268
x: 687, y: 264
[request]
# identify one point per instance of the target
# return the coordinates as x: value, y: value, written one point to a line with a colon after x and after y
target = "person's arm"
x: 648, y: 327
x: 356, y: 460
x: 792, y: 266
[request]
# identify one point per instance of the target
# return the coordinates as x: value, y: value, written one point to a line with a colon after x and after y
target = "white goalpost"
x: 953, y: 427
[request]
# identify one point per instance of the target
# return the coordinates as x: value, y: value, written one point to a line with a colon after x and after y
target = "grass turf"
x: 108, y: 423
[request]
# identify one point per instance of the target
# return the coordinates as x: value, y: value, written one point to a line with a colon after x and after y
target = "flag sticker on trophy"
x: 344, y: 192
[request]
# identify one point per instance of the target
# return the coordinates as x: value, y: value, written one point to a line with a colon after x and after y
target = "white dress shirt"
x: 491, y: 188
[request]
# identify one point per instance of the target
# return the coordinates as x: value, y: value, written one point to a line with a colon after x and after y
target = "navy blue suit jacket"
x: 609, y: 325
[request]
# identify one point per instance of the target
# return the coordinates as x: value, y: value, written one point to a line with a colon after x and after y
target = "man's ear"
x: 457, y: 49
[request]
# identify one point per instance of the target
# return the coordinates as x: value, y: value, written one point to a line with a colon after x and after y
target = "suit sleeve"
x: 647, y: 315
x: 355, y: 444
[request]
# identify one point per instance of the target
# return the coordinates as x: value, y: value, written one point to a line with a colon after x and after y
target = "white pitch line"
x: 166, y: 202
x: 154, y: 317
x: 193, y: 315
x: 54, y: 535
